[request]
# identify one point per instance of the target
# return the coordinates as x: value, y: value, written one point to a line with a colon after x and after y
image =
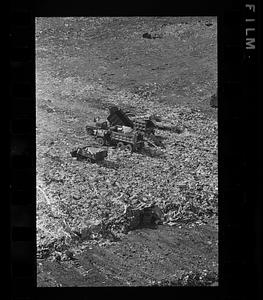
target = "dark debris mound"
x: 148, y: 35
x: 196, y: 278
x: 214, y: 101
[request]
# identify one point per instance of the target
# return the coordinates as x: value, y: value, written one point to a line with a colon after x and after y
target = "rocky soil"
x: 136, y: 219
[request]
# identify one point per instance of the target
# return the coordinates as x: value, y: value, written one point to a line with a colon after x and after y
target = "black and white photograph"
x: 126, y: 151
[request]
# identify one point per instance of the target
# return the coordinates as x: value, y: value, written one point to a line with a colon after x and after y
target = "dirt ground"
x: 144, y: 257
x: 165, y: 66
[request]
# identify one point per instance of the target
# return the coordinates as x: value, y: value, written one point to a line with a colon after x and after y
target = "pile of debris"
x: 91, y: 154
x: 142, y: 216
x: 191, y: 278
x: 104, y: 199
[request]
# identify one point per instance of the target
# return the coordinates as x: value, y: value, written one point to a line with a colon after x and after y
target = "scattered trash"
x: 112, y: 191
x: 90, y: 154
x: 147, y: 35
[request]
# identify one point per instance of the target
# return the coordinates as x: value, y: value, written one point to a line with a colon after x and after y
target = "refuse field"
x: 148, y: 214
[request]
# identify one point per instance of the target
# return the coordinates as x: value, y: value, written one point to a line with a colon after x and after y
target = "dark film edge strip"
x: 22, y: 152
x: 238, y: 131
x: 22, y: 127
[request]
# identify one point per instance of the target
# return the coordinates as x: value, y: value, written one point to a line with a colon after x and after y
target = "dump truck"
x: 119, y: 117
x: 96, y: 124
x: 103, y: 136
x: 144, y: 126
x: 91, y: 154
x: 121, y: 137
x: 127, y: 125
x: 131, y: 141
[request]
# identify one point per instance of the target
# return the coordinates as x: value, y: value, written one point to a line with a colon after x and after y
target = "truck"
x: 121, y: 137
x: 90, y: 128
x: 124, y: 130
x: 131, y: 141
x: 103, y: 136
x: 143, y: 124
x: 119, y: 117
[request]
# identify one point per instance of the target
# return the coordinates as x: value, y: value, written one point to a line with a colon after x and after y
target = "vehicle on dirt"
x: 97, y: 124
x: 131, y: 141
x: 103, y: 136
x: 118, y: 117
x: 142, y: 124
x: 121, y: 137
x: 90, y: 154
x: 119, y: 130
x: 90, y: 129
x: 124, y: 131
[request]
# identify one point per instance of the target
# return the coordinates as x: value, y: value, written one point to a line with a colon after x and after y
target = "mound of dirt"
x: 146, y: 257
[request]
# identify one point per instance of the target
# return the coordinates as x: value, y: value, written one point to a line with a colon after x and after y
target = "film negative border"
x: 238, y: 152
x: 22, y: 152
x: 237, y: 81
x: 252, y: 94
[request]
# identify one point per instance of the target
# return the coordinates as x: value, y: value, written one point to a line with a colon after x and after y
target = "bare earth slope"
x: 82, y: 66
